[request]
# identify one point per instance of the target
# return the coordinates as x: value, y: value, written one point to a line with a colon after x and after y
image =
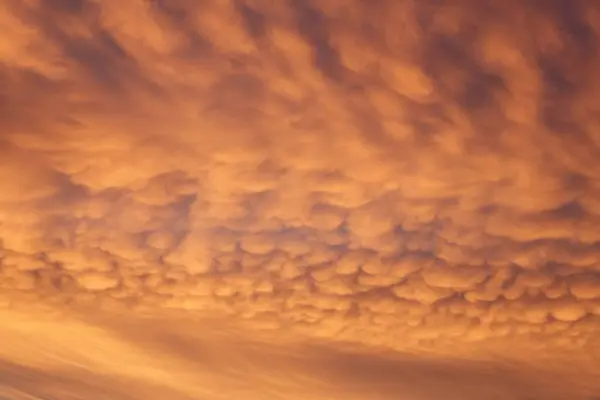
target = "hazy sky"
x: 300, y: 199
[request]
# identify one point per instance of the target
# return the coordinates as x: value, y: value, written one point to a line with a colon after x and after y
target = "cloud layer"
x: 417, y: 175
x: 135, y: 358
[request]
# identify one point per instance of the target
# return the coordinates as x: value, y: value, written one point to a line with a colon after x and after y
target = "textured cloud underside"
x: 416, y: 175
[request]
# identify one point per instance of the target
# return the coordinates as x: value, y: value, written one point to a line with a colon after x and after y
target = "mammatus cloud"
x: 418, y: 176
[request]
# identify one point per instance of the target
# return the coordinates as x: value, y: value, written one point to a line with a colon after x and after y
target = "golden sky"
x: 300, y: 199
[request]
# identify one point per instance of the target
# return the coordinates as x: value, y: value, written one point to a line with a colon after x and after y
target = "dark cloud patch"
x: 175, y: 9
x: 572, y: 22
x: 230, y: 95
x: 39, y: 94
x: 480, y: 90
x: 75, y: 8
x: 571, y: 211
x: 459, y: 76
x: 556, y: 81
x: 426, y: 119
x: 254, y: 21
x: 102, y: 58
x: 567, y: 67
x: 312, y: 25
x: 93, y: 49
x: 177, y: 13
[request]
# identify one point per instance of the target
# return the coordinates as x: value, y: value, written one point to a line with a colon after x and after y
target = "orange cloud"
x: 409, y: 176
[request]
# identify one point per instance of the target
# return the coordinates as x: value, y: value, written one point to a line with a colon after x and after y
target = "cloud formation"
x: 168, y: 358
x: 416, y: 175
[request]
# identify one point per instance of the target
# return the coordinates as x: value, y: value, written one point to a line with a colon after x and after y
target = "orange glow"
x: 299, y: 199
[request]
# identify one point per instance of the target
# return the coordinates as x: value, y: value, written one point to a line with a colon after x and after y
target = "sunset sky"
x: 300, y: 199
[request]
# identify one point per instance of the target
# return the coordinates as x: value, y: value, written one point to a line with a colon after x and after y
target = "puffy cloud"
x: 414, y: 176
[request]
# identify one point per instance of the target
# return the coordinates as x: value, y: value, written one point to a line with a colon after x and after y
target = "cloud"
x: 413, y: 176
x: 177, y: 360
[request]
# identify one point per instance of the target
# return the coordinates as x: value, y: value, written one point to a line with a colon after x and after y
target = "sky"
x: 299, y: 199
